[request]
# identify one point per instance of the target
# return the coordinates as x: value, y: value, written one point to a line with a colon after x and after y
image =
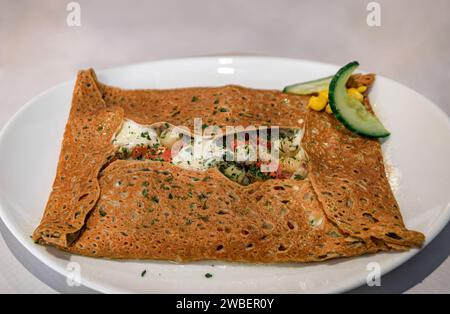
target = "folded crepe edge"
x: 86, y: 142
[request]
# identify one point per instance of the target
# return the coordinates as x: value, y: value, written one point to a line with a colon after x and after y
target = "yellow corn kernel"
x: 353, y: 92
x: 362, y: 88
x: 324, y: 94
x: 317, y: 103
x: 328, y: 109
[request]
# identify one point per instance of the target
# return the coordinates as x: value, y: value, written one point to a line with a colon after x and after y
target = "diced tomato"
x: 238, y: 142
x: 138, y: 152
x: 167, y: 155
x: 279, y: 174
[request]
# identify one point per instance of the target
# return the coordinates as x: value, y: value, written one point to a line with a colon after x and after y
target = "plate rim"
x: 41, y: 255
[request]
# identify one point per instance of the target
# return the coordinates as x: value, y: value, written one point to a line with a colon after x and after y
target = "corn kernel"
x: 353, y: 92
x: 324, y: 94
x: 362, y: 88
x: 328, y: 109
x: 317, y: 103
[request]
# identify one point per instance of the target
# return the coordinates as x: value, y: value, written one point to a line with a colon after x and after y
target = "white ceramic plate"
x: 419, y: 148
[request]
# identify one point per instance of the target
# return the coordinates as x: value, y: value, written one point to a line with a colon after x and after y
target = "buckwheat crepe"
x: 147, y: 209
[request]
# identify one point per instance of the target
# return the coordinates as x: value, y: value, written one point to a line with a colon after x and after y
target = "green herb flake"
x: 143, y: 273
x: 170, y: 196
x: 155, y: 199
x: 145, y: 193
x: 175, y: 113
x: 223, y: 109
x: 334, y: 234
x: 206, y: 179
x: 102, y: 213
x: 208, y: 275
x: 194, y: 98
x: 188, y: 222
x: 202, y: 196
x: 145, y: 135
x: 145, y: 183
x: 246, y: 114
x: 168, y: 179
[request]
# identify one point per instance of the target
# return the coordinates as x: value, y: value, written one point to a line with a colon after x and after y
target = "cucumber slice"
x: 307, y: 88
x: 350, y: 111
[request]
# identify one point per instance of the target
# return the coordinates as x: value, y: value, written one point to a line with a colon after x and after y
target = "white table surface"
x: 39, y: 50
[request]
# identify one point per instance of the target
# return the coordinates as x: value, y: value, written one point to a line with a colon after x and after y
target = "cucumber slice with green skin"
x: 310, y: 87
x: 350, y: 111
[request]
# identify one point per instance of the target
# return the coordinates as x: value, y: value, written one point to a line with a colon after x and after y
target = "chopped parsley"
x: 175, y: 113
x: 207, y: 178
x: 155, y: 199
x: 194, y: 98
x: 202, y: 196
x: 168, y: 179
x: 145, y: 135
x: 143, y: 273
x: 208, y: 275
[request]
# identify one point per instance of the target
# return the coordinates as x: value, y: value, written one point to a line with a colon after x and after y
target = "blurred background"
x: 38, y: 48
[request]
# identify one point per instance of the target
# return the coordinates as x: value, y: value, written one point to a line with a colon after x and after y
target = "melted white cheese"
x: 132, y: 134
x: 200, y: 155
